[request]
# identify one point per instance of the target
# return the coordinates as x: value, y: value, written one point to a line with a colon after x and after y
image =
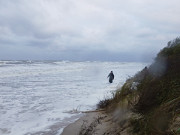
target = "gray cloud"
x: 87, y: 30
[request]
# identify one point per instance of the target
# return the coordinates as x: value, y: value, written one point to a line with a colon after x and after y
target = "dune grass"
x: 155, y: 96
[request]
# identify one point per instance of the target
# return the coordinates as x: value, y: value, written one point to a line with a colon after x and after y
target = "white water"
x: 41, y: 97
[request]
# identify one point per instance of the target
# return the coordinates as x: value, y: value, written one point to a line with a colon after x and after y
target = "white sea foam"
x: 38, y: 97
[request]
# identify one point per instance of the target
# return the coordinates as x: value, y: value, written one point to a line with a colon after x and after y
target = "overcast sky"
x: 101, y: 30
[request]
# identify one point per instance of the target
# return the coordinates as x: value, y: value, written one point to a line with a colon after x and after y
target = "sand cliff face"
x: 98, y: 123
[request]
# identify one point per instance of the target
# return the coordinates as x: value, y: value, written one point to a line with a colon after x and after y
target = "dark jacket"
x: 111, y: 77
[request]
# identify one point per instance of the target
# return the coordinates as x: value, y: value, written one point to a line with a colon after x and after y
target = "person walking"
x: 111, y: 77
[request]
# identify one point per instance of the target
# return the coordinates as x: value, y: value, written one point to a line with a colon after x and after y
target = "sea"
x: 43, y: 97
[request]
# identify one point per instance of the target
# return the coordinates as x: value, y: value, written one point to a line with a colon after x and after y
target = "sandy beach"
x: 96, y: 123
